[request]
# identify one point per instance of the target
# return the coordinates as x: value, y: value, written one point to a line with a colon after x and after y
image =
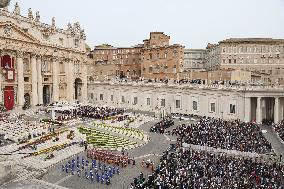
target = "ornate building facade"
x: 40, y: 63
x: 247, y: 103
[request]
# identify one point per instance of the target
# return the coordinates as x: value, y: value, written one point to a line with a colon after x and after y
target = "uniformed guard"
x: 87, y: 163
x: 98, y: 177
x: 91, y: 175
x: 107, y: 181
x: 66, y: 168
x: 102, y: 179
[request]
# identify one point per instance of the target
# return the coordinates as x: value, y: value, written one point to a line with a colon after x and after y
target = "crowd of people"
x: 90, y: 112
x: 279, y: 128
x: 230, y: 135
x: 186, y: 168
x: 189, y: 81
x: 110, y: 158
x: 98, y: 112
x: 161, y: 126
x: 90, y: 170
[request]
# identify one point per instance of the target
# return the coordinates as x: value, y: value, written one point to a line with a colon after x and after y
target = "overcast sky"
x: 192, y: 23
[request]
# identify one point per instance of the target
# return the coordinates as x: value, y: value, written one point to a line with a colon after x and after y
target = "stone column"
x: 55, y: 84
x: 247, y: 116
x: 276, y: 110
x: 39, y: 81
x: 85, y: 83
x: 34, y: 101
x: 1, y: 91
x: 258, y: 110
x: 70, y: 80
x: 20, y: 74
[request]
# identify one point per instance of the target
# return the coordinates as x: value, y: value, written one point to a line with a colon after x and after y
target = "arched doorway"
x: 9, y: 97
x: 78, y: 89
x: 46, y: 94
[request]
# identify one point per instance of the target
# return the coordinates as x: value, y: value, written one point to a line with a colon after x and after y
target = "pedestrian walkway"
x: 272, y: 137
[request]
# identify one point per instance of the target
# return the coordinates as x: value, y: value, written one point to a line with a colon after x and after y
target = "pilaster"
x: 20, y: 71
x: 34, y: 101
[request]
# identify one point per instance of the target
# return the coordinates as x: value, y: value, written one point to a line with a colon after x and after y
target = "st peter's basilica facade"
x: 40, y: 63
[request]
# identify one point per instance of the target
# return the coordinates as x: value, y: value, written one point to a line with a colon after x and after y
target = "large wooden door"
x: 9, y: 97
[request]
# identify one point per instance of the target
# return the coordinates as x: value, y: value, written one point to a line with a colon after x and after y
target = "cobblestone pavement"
x: 157, y: 145
x: 152, y: 150
x: 276, y: 142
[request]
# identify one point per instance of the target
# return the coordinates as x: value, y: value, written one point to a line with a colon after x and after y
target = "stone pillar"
x: 39, y: 81
x: 70, y: 81
x: 85, y: 83
x: 258, y: 110
x: 1, y: 91
x: 34, y: 101
x: 276, y: 110
x: 55, y: 84
x: 247, y: 111
x: 20, y: 74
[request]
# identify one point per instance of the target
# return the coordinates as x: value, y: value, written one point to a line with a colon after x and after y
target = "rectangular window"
x: 177, y: 103
x: 122, y: 99
x: 232, y: 108
x: 135, y: 100
x: 92, y: 95
x: 61, y: 67
x: 194, y: 105
x: 44, y: 66
x: 148, y: 101
x: 212, y: 107
x: 101, y: 97
x: 163, y: 102
x: 111, y: 97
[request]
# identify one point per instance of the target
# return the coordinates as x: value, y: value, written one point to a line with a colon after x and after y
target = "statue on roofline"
x: 4, y: 3
x: 17, y: 10
x: 37, y: 16
x: 30, y: 14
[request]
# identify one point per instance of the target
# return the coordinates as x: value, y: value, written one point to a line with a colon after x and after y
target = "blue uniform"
x: 98, y: 177
x: 94, y: 162
x: 66, y: 168
x: 87, y: 163
x: 102, y: 179
x: 91, y: 174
